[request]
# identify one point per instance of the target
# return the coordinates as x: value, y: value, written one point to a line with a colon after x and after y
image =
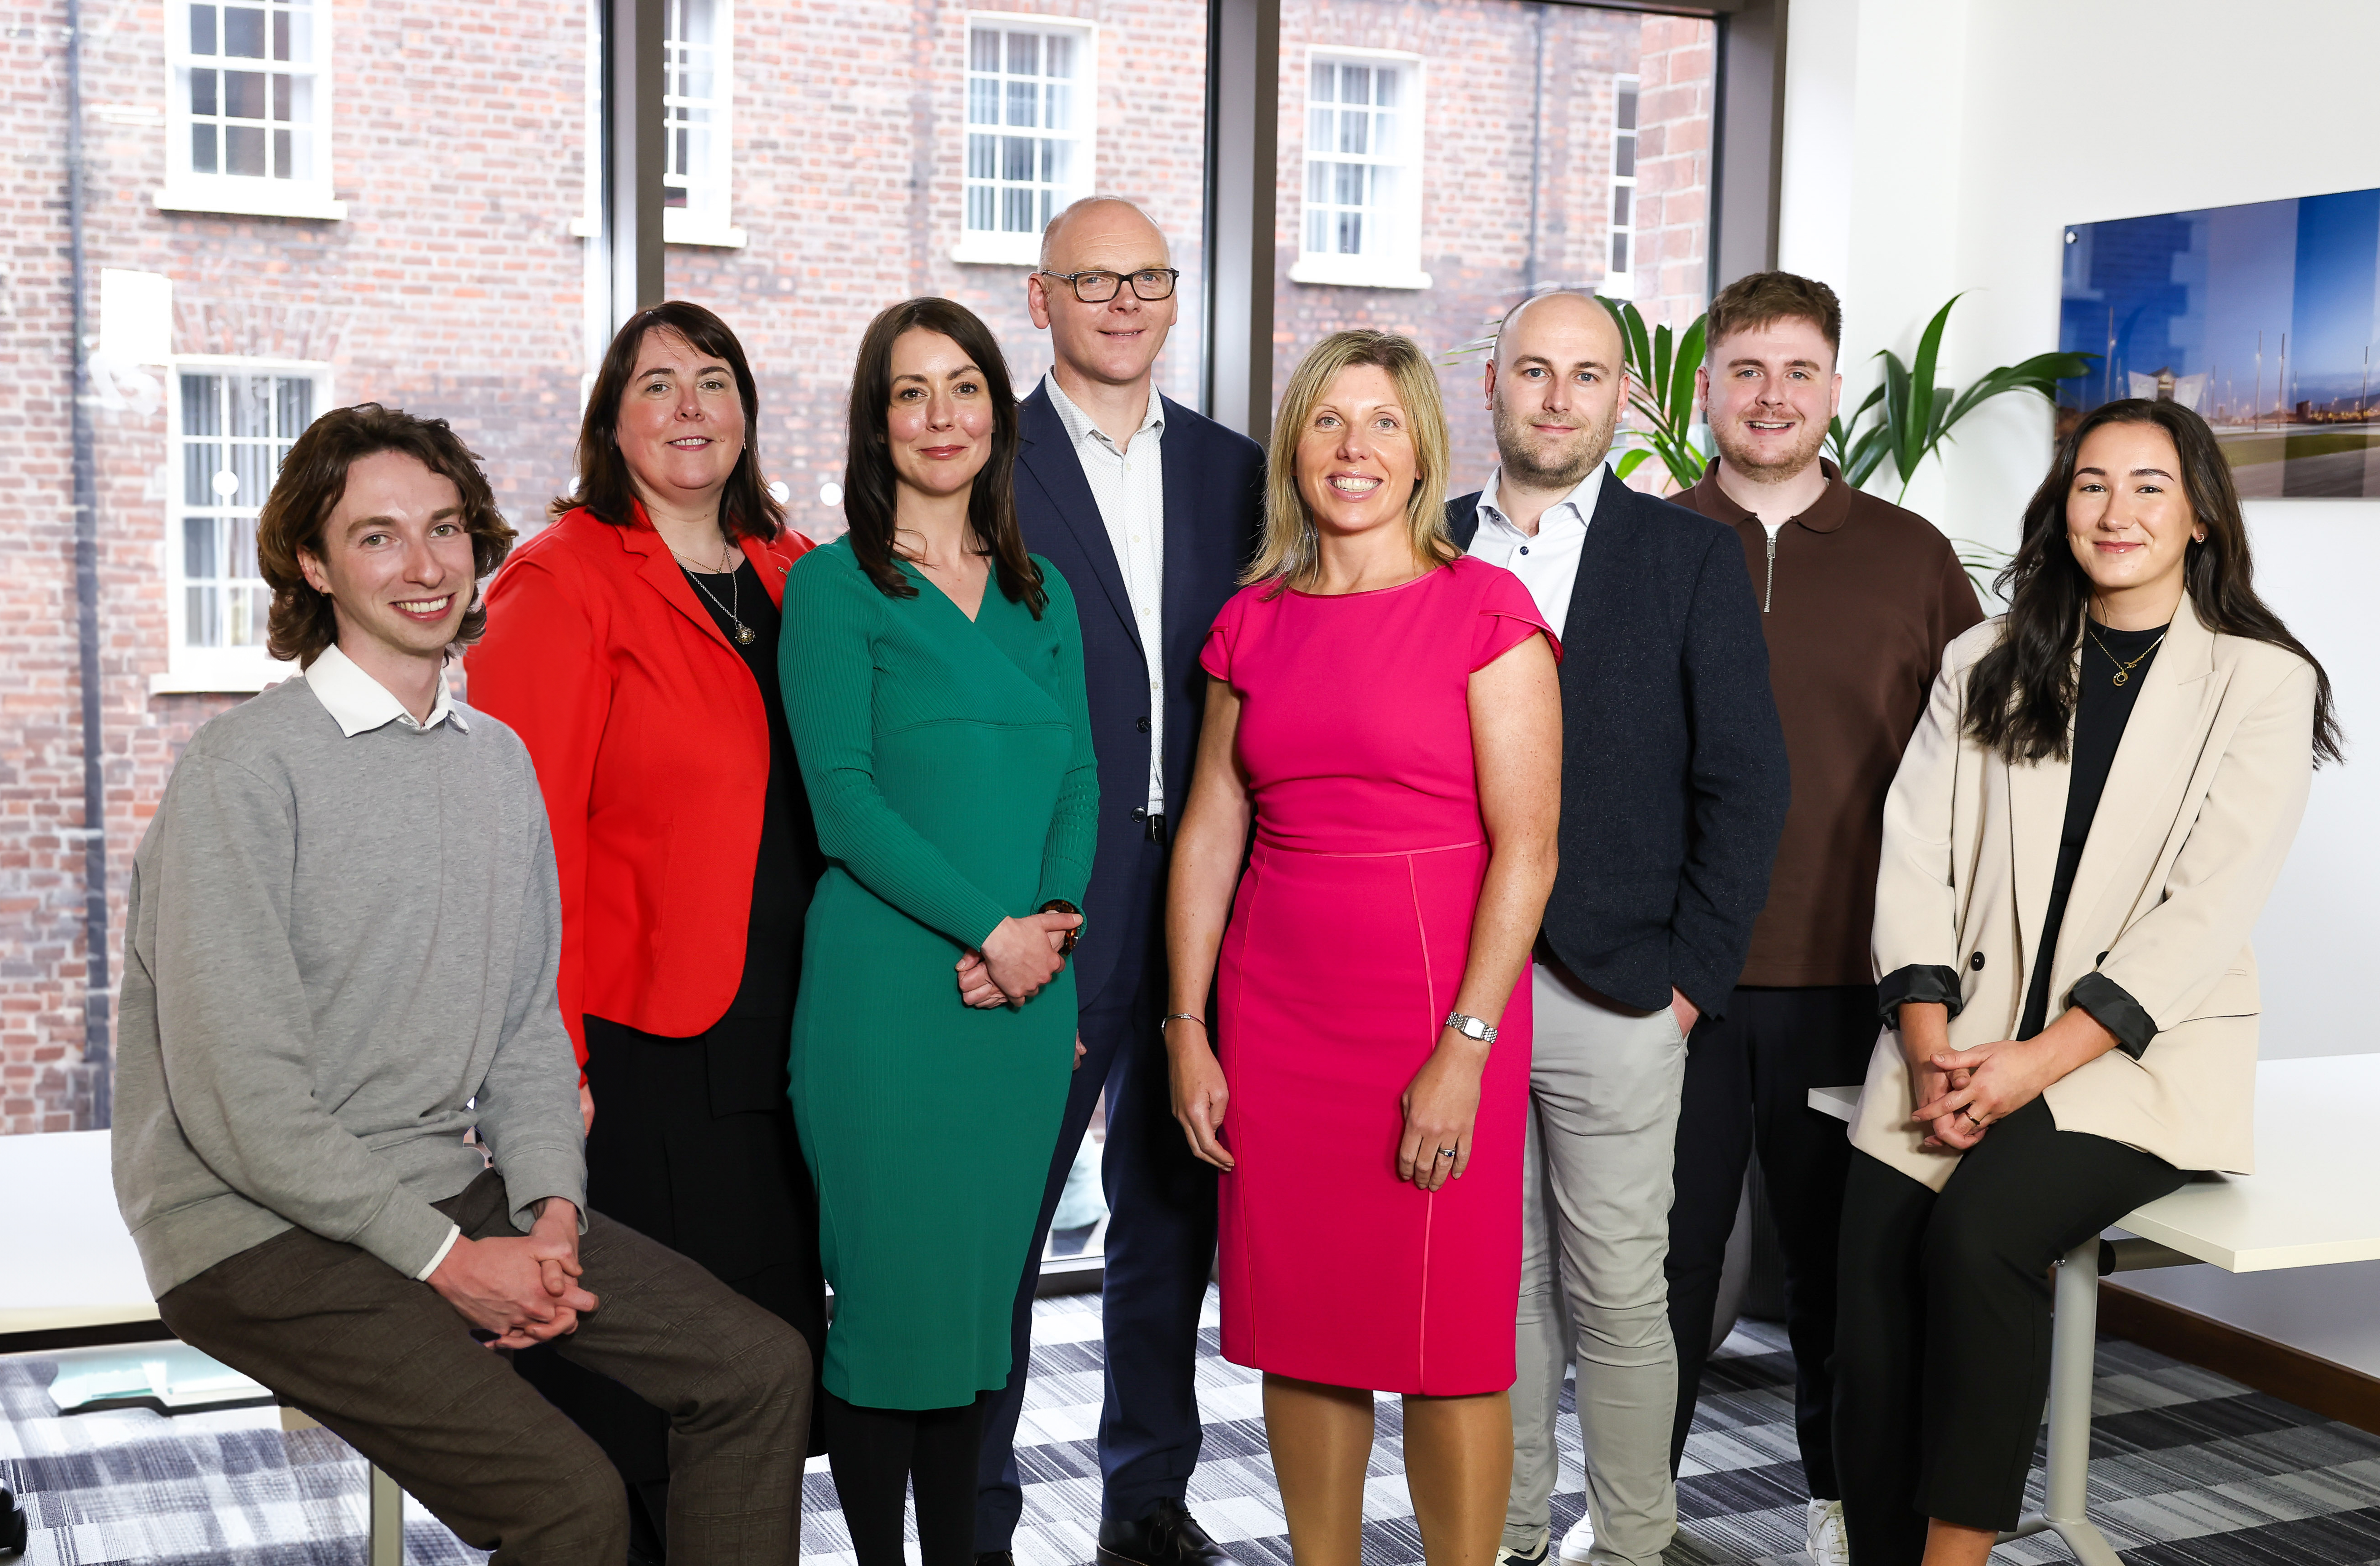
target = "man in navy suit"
x: 1148, y: 511
x: 1673, y: 792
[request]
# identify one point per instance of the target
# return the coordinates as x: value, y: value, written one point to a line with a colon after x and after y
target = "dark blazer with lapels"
x: 1674, y: 782
x: 1214, y: 502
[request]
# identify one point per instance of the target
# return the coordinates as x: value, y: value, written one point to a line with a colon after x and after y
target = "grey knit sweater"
x: 340, y: 956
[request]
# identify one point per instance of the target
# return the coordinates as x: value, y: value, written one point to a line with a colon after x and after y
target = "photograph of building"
x: 2262, y: 317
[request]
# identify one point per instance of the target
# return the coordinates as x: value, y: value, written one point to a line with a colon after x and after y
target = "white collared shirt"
x: 1546, y: 564
x: 361, y: 703
x: 1128, y: 485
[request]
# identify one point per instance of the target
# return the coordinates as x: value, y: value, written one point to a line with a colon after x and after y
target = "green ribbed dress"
x: 949, y: 763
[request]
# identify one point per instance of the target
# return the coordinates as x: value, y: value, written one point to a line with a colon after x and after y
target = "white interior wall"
x: 1935, y: 146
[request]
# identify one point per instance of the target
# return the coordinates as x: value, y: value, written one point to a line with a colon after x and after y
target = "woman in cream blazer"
x: 2081, y: 836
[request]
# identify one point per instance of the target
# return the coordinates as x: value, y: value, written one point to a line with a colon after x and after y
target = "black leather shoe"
x: 1167, y: 1537
x: 995, y: 1558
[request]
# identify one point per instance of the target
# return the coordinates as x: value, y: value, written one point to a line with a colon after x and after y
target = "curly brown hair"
x: 314, y: 476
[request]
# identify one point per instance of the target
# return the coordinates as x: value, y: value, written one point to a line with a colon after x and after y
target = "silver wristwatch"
x: 1471, y: 1027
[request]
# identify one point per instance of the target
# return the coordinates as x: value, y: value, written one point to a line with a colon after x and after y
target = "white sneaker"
x: 1533, y: 1556
x: 1578, y: 1545
x: 1829, y: 1546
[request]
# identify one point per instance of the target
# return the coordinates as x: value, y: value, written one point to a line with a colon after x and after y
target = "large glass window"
x: 248, y: 108
x: 922, y: 152
x: 1465, y: 157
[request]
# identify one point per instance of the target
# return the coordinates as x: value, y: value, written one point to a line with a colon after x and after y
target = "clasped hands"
x: 1960, y: 1092
x: 525, y: 1291
x: 1019, y: 958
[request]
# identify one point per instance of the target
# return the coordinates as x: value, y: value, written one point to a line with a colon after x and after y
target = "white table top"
x: 2312, y: 1199
x: 71, y: 1262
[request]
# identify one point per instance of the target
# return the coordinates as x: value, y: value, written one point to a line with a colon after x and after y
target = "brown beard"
x: 1513, y: 449
x: 1805, y: 452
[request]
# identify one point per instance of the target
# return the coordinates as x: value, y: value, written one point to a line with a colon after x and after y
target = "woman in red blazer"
x: 632, y: 646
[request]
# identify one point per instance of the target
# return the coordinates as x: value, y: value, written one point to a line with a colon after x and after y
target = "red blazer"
x: 651, y: 747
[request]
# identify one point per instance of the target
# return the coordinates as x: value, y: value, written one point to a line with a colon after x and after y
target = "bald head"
x: 1101, y: 225
x: 1540, y: 314
x: 1554, y: 389
x: 1104, y: 349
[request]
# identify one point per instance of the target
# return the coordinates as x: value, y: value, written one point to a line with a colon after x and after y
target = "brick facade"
x: 454, y: 286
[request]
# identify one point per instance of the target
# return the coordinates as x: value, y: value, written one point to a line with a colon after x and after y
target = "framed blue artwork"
x: 2261, y: 317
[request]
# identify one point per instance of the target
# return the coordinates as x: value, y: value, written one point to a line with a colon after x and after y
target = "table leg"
x: 2073, y: 1346
x: 387, y: 1528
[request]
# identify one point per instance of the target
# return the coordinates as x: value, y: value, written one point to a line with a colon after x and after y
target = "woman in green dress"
x: 933, y: 679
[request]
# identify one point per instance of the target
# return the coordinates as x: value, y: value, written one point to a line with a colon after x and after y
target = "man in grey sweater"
x: 344, y: 932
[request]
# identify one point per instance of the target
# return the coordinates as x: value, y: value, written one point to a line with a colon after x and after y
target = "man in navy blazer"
x: 1673, y: 794
x: 1148, y: 511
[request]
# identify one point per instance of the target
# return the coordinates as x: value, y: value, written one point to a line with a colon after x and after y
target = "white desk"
x: 75, y: 1267
x: 2308, y: 1205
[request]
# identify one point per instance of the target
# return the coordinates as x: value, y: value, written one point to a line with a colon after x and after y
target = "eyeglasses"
x: 1097, y: 287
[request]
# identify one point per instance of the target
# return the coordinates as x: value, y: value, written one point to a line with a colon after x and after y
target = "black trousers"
x: 1748, y: 1081
x: 694, y: 1147
x: 1160, y: 1247
x: 1943, y: 1358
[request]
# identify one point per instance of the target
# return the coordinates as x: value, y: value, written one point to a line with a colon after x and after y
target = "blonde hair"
x: 1290, y: 551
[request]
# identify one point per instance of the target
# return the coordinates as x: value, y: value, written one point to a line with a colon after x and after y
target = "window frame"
x: 1399, y: 266
x: 249, y: 195
x: 990, y: 248
x: 712, y: 224
x: 235, y: 670
x: 1620, y: 283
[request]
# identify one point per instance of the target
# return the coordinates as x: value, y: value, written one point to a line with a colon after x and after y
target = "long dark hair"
x: 747, y: 509
x: 2021, y: 697
x: 869, y: 486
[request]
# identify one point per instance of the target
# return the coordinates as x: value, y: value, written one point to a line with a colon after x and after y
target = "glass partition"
x: 1439, y: 163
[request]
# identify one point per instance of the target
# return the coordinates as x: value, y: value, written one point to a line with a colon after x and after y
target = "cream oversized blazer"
x: 2202, y: 802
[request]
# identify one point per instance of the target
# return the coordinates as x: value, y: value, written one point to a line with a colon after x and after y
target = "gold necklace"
x: 2123, y: 670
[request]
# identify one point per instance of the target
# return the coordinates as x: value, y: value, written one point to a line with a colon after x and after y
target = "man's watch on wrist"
x: 1059, y: 905
x: 1471, y: 1027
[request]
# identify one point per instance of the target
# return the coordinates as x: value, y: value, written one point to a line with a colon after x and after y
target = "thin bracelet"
x: 1181, y: 1016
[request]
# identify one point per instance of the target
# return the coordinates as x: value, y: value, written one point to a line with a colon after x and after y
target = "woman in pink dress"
x: 1384, y: 711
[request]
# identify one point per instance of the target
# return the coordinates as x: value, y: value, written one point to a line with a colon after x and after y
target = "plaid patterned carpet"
x: 2189, y: 1470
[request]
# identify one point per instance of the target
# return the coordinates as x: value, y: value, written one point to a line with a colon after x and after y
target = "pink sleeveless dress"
x: 1346, y: 946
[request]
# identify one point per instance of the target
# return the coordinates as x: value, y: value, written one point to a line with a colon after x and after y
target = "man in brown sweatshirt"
x: 1858, y: 599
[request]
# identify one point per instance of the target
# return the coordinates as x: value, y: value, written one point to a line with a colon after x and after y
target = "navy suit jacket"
x: 1214, y: 502
x: 1674, y: 782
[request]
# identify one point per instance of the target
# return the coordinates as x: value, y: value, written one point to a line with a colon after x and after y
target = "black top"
x: 1674, y: 776
x: 2102, y: 707
x: 788, y: 866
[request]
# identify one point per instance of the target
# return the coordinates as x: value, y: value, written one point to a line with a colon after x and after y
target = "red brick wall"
x: 849, y: 163
x: 454, y: 287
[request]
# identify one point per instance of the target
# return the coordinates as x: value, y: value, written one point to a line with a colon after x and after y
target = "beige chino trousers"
x: 1604, y: 1082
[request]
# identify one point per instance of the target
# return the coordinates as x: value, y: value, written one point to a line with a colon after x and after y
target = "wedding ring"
x: 1446, y: 1152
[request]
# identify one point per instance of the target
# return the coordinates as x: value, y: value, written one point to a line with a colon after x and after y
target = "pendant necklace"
x: 743, y: 633
x: 2123, y: 670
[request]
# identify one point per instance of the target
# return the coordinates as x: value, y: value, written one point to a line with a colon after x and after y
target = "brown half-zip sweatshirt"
x: 1858, y: 600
